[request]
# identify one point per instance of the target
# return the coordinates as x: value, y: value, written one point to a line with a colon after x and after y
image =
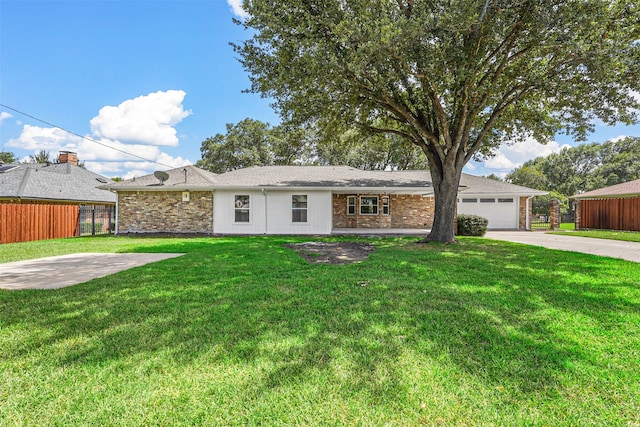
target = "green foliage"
x: 7, y: 157
x: 254, y: 143
x: 454, y: 79
x: 472, y: 225
x: 540, y: 204
x: 244, y: 332
x: 85, y: 228
x: 582, y: 168
x: 41, y: 156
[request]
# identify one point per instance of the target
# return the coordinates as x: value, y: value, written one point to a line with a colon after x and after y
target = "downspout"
x: 117, y: 222
x: 264, y: 193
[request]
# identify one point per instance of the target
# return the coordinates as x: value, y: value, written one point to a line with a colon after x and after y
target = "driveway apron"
x: 629, y: 251
x: 66, y: 270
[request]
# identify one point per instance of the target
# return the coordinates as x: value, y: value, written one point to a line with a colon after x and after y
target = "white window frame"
x: 240, y: 206
x: 374, y: 206
x: 351, y: 205
x: 385, y: 205
x: 295, y: 209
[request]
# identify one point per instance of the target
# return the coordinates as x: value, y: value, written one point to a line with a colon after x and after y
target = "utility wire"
x: 83, y: 137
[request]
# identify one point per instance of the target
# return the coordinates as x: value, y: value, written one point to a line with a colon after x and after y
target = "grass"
x: 242, y: 331
x: 626, y: 236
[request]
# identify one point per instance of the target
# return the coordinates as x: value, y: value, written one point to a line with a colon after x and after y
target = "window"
x: 509, y: 200
x: 385, y: 205
x: 369, y: 205
x: 242, y: 208
x: 469, y: 200
x: 299, y: 208
x: 351, y: 205
x: 487, y: 200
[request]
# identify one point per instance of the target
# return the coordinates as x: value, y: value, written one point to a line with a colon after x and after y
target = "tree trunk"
x: 445, y: 187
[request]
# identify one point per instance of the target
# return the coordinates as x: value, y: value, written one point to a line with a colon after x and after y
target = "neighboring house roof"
x: 336, y: 178
x: 626, y: 189
x: 58, y: 181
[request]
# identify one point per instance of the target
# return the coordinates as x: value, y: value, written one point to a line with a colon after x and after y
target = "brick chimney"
x: 68, y: 157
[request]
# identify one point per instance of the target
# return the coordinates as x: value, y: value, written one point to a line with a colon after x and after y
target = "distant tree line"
x: 254, y: 143
x: 582, y: 168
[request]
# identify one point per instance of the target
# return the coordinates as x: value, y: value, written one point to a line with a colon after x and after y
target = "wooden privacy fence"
x: 26, y: 222
x: 611, y: 214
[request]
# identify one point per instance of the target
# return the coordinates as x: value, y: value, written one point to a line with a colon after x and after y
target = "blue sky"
x: 151, y: 78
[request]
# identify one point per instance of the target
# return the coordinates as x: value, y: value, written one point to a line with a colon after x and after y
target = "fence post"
x: 93, y: 220
x: 554, y: 214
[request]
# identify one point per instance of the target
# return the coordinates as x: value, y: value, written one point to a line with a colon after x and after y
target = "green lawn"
x: 242, y: 331
x: 626, y: 236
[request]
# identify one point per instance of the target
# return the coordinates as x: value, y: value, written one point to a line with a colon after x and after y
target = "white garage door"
x: 502, y: 212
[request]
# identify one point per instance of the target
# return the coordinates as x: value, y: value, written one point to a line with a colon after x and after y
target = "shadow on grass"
x: 495, y: 311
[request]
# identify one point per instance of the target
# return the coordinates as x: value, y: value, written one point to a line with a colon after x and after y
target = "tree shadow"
x: 486, y: 308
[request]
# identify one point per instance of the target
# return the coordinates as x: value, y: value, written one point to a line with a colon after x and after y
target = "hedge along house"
x: 44, y: 200
x: 301, y: 200
x: 611, y: 208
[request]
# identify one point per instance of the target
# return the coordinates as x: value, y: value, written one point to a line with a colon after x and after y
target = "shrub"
x: 472, y: 225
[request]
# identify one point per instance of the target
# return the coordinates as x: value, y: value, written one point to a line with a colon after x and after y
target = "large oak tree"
x: 456, y: 78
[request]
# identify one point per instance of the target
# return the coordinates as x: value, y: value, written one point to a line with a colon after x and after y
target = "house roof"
x: 182, y: 178
x: 626, y: 189
x: 481, y: 185
x: 336, y: 178
x: 58, y: 181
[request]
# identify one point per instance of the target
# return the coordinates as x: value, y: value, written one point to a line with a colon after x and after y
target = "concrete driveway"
x: 611, y: 248
x: 66, y: 270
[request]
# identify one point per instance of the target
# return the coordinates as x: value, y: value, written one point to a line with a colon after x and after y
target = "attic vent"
x: 102, y: 180
x: 7, y: 168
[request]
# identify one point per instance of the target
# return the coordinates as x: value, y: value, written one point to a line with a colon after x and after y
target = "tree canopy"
x: 7, y: 157
x: 254, y: 143
x: 454, y: 78
x: 582, y: 168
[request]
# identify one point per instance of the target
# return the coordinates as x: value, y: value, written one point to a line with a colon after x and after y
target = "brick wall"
x: 578, y: 213
x: 405, y: 211
x: 165, y: 212
x: 522, y: 223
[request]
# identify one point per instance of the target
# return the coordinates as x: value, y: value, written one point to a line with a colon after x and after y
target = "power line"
x: 83, y: 137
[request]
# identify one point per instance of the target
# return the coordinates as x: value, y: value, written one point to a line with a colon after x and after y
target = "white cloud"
x: 37, y: 138
x: 4, y: 115
x: 236, y: 7
x: 147, y: 122
x: 510, y: 157
x: 500, y: 161
x: 618, y: 138
x: 148, y: 119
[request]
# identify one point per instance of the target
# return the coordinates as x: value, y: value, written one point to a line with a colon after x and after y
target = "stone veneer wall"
x: 405, y: 211
x: 165, y: 212
x: 522, y: 223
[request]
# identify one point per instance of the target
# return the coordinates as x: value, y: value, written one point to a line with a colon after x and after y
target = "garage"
x: 501, y: 211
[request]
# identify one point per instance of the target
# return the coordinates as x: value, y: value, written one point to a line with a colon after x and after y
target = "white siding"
x: 500, y: 215
x: 271, y: 213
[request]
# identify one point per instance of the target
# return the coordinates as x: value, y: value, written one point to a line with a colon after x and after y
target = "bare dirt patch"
x: 332, y: 252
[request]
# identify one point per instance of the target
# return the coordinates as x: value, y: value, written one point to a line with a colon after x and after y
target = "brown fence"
x: 26, y: 222
x: 611, y: 214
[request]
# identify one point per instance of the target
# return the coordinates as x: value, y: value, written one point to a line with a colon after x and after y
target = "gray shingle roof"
x: 631, y: 188
x: 182, y: 178
x: 481, y: 185
x: 322, y: 176
x: 61, y: 181
x: 330, y: 177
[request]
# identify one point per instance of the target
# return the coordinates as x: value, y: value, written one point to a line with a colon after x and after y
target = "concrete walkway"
x: 66, y: 270
x: 586, y: 245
